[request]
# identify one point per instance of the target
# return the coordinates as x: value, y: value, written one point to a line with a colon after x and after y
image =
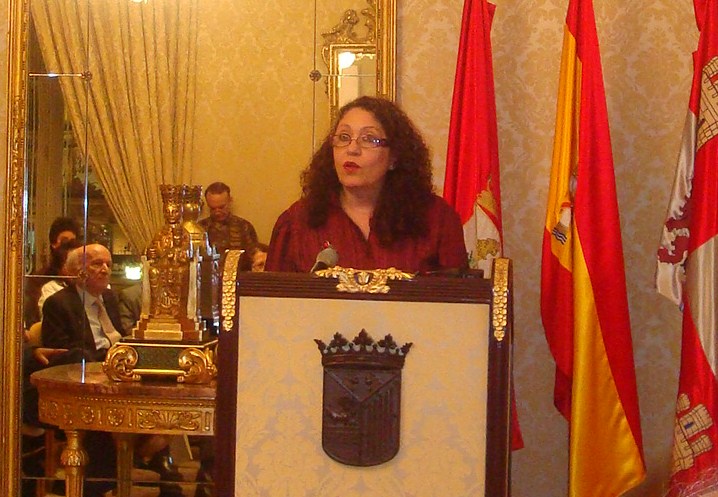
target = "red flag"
x: 686, y: 271
x: 584, y: 307
x: 471, y: 184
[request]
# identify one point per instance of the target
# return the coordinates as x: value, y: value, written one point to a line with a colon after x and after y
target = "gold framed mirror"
x: 272, y: 150
x: 352, y: 73
x: 359, y: 52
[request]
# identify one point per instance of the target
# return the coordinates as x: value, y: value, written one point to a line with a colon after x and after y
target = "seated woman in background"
x: 368, y: 192
x: 259, y: 257
x: 254, y: 258
x: 58, y: 257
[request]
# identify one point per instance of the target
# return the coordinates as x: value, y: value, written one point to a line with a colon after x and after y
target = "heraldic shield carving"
x: 362, y: 398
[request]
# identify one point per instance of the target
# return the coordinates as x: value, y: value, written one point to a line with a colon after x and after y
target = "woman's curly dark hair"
x: 58, y: 256
x: 401, y: 210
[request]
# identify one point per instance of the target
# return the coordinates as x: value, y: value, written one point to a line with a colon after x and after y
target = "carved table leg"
x: 74, y: 460
x: 124, y: 464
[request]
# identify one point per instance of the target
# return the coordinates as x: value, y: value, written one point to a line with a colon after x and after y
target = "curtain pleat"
x: 137, y: 110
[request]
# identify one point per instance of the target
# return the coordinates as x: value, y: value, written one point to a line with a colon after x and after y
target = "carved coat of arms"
x: 362, y: 398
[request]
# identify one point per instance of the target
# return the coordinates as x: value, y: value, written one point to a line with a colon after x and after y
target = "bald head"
x: 92, y: 264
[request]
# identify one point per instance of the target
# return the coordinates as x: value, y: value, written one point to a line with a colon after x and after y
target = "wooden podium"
x: 455, y: 386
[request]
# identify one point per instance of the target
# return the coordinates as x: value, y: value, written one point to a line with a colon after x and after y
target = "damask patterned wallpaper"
x: 256, y: 101
x: 646, y: 50
x: 279, y: 423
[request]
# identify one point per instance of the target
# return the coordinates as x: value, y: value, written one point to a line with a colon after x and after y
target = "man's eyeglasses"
x: 364, y: 141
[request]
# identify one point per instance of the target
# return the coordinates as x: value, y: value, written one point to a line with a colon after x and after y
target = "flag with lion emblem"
x: 686, y: 271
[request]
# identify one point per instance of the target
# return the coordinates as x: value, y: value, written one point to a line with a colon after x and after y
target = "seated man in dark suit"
x: 84, y: 319
x: 130, y: 305
x: 85, y: 315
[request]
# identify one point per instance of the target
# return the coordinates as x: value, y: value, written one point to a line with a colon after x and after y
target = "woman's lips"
x: 351, y: 166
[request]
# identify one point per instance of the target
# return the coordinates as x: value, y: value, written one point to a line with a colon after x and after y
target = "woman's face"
x: 361, y: 169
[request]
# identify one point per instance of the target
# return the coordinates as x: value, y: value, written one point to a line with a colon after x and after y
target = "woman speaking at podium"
x: 368, y: 194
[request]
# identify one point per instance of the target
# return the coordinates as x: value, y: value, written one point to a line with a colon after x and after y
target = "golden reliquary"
x: 176, y: 333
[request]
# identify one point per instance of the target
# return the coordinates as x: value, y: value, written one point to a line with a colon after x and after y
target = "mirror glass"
x: 352, y: 72
x: 349, y: 52
x: 124, y: 95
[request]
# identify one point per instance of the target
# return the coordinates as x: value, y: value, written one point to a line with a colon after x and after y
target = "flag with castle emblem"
x: 471, y: 183
x: 686, y: 271
x: 584, y: 307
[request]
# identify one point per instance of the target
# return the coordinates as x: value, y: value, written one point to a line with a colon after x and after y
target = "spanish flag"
x: 686, y: 271
x: 584, y: 306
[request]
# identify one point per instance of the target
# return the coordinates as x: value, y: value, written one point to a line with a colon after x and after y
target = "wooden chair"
x: 33, y: 336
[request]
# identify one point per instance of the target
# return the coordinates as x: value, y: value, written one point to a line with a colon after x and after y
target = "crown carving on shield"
x: 363, y: 352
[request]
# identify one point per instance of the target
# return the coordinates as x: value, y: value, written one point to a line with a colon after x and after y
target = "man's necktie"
x: 107, y: 327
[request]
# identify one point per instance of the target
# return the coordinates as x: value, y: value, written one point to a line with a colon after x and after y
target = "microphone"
x: 326, y: 258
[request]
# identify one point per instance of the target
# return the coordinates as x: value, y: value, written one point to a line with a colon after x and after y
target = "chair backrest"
x: 34, y: 335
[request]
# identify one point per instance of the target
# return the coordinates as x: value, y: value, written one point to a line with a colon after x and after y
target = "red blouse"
x: 294, y: 245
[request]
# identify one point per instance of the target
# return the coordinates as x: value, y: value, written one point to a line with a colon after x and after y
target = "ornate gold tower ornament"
x: 499, y: 307
x: 208, y: 290
x: 171, y: 272
x: 229, y: 288
x: 191, y: 209
x: 362, y: 398
x: 179, y: 272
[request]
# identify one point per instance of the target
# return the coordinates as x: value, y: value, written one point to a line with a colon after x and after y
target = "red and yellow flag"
x: 471, y: 183
x: 584, y: 307
x: 686, y: 272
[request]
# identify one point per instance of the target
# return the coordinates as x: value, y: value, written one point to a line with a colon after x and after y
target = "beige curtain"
x: 135, y: 112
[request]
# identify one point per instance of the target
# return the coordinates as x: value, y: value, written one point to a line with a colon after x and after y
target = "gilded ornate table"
x: 76, y: 402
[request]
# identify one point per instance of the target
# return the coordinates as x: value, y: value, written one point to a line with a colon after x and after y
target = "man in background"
x: 130, y: 302
x: 84, y: 319
x: 224, y: 229
x: 84, y: 315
